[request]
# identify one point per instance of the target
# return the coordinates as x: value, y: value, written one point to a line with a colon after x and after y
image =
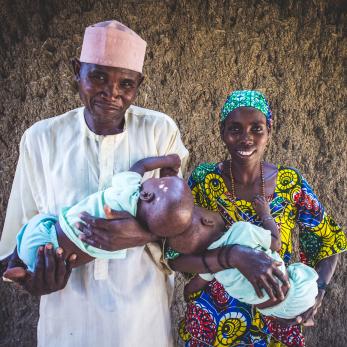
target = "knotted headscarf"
x: 246, y: 98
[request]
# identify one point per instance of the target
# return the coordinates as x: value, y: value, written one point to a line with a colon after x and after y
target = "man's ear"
x: 207, y: 221
x: 76, y: 66
x: 141, y: 78
x: 146, y: 196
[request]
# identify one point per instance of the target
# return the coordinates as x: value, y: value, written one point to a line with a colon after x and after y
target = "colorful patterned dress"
x: 213, y: 318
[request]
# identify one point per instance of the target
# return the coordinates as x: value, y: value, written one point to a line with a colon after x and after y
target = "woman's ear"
x: 221, y: 130
x: 269, y: 131
x: 270, y: 125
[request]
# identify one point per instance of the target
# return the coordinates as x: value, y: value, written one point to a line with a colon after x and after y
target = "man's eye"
x: 99, y: 78
x: 127, y: 84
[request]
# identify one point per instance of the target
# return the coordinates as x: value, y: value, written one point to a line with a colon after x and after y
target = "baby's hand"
x: 168, y: 164
x: 261, y: 206
x: 172, y: 164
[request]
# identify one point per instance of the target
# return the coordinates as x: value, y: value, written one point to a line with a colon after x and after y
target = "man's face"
x: 106, y: 92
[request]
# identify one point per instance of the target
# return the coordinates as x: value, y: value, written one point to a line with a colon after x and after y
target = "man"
x: 65, y: 158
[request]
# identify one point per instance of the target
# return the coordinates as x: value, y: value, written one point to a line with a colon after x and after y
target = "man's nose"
x: 112, y: 90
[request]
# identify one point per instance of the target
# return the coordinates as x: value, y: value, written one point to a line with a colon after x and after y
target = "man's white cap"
x: 111, y: 43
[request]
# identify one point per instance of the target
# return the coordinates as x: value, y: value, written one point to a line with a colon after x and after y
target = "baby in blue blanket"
x: 165, y: 207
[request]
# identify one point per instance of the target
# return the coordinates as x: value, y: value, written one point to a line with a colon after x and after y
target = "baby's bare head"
x: 165, y: 206
x: 206, y: 227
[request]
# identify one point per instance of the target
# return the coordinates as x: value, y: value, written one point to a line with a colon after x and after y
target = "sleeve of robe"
x: 22, y: 204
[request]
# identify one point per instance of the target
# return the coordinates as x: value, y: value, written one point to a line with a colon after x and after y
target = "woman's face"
x: 245, y: 134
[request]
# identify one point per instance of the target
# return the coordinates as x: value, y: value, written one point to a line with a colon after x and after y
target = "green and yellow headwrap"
x: 246, y: 98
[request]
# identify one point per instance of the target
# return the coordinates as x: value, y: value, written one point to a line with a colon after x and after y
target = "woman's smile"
x: 245, y: 153
x: 245, y: 134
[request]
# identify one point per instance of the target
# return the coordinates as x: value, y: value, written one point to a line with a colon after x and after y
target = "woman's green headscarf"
x: 246, y: 98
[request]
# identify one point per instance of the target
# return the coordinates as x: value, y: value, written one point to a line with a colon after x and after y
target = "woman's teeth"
x: 245, y: 153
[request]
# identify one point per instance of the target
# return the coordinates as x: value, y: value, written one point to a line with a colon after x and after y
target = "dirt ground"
x: 197, y: 52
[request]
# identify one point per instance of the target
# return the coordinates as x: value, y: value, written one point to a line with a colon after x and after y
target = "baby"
x: 208, y: 230
x: 163, y: 205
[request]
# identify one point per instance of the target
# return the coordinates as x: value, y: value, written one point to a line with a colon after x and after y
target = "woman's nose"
x: 246, y: 137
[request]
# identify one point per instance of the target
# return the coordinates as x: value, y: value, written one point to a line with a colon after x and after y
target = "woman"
x: 213, y: 318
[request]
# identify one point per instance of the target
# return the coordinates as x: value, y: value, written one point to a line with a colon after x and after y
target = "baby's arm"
x: 169, y: 165
x: 262, y: 208
x: 44, y: 232
x: 70, y: 248
x: 194, y: 285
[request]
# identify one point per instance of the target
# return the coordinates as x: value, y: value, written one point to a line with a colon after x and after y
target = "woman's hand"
x: 120, y: 230
x: 325, y: 269
x: 307, y: 318
x: 51, y: 271
x: 261, y: 270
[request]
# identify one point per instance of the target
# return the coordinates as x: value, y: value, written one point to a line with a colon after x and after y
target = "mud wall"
x: 197, y: 52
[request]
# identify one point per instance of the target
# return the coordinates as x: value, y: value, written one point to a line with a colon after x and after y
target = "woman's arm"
x: 320, y: 229
x: 325, y: 269
x: 256, y: 266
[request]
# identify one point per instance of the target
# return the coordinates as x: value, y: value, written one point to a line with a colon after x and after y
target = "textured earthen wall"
x: 197, y: 52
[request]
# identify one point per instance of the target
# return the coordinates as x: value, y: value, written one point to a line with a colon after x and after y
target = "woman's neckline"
x: 219, y: 166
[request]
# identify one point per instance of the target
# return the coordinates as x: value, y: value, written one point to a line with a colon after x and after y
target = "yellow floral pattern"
x: 292, y: 204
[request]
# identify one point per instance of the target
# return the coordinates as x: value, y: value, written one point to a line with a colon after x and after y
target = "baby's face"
x: 166, y: 205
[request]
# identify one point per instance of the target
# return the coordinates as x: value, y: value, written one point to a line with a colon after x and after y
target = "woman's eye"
x: 233, y: 129
x: 257, y: 129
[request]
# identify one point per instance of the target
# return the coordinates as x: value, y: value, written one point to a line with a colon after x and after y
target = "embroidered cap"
x: 111, y: 43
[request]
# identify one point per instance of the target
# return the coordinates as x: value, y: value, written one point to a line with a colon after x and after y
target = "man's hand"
x: 120, y: 230
x: 51, y: 271
x: 261, y: 270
